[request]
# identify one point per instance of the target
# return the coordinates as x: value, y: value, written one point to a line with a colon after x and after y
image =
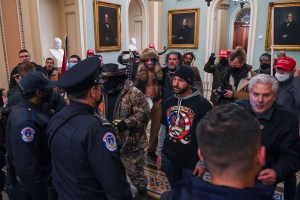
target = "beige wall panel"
x: 3, y: 67
x: 31, y: 28
x: 72, y: 33
x: 11, y: 31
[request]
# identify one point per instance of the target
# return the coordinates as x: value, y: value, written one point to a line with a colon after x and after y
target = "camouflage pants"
x: 134, y: 164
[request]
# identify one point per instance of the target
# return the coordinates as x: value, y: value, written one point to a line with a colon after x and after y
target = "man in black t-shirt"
x: 177, y: 147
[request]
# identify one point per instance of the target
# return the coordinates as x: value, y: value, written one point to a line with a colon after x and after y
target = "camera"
x: 220, y: 91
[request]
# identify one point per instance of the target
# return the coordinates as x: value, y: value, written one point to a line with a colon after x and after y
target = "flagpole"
x: 65, y: 58
x: 272, y: 42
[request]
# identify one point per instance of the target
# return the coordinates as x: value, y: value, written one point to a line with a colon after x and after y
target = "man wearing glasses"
x: 24, y: 56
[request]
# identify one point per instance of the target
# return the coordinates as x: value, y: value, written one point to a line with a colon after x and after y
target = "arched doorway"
x: 241, y: 29
x: 137, y: 23
x: 212, y: 22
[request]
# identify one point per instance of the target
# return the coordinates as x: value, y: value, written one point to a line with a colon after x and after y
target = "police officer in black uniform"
x: 26, y: 140
x: 85, y: 154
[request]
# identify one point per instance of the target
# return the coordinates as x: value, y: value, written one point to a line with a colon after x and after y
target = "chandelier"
x: 242, y: 2
x: 208, y: 2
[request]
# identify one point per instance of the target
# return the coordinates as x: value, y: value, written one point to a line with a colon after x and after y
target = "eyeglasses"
x: 26, y: 56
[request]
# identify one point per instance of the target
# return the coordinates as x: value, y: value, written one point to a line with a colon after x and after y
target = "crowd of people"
x: 82, y: 134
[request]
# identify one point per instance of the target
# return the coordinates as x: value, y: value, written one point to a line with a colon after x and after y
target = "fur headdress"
x: 142, y: 74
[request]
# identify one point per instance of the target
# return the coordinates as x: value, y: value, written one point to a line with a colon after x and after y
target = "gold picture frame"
x: 286, y: 33
x: 107, y: 18
x: 183, y: 28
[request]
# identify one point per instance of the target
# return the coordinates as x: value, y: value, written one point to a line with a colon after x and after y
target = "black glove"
x: 121, y: 126
x: 212, y: 58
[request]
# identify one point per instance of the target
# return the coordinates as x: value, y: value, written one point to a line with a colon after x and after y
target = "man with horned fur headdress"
x: 149, y: 79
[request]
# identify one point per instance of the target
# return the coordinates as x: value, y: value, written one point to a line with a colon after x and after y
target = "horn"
x: 161, y: 53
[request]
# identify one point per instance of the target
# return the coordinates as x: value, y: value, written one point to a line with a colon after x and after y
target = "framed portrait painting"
x: 286, y: 34
x: 183, y: 28
x: 107, y: 26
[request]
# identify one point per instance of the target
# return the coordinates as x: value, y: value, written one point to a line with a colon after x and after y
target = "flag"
x: 65, y: 58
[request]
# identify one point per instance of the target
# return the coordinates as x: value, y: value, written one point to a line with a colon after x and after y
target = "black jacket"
x: 197, y: 189
x: 85, y: 157
x: 26, y: 142
x: 280, y: 136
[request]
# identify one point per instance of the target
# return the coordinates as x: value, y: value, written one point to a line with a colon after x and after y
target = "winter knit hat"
x: 186, y: 73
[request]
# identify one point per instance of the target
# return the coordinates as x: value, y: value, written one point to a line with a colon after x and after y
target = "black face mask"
x: 111, y: 86
x: 234, y: 70
x: 47, y: 95
x: 265, y: 66
x: 223, y: 61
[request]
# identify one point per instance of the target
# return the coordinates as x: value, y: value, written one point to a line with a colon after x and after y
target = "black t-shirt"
x: 180, y: 145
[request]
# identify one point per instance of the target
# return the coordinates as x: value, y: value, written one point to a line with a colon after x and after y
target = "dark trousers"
x: 290, y: 188
x: 173, y: 172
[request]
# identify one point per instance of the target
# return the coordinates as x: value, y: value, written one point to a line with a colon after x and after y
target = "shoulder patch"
x: 27, y: 134
x: 110, y: 141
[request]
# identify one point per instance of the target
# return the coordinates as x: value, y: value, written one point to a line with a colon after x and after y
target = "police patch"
x: 27, y: 134
x: 110, y: 141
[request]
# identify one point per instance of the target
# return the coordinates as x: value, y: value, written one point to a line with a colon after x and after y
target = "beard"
x: 172, y: 67
x: 178, y: 90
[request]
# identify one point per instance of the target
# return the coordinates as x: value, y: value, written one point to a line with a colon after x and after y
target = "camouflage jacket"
x: 132, y: 107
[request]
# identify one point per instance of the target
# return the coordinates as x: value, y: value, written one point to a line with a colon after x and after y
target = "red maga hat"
x: 286, y: 63
x: 224, y: 54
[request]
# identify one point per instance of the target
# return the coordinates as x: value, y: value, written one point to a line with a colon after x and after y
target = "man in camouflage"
x: 126, y: 108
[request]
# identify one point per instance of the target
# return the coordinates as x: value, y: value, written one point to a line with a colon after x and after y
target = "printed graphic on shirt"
x: 110, y: 141
x: 179, y: 124
x: 27, y: 134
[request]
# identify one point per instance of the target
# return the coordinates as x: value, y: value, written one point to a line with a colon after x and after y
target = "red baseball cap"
x: 286, y: 63
x: 90, y: 51
x: 224, y: 54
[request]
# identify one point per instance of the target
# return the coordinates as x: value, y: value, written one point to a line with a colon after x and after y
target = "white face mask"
x: 282, y: 77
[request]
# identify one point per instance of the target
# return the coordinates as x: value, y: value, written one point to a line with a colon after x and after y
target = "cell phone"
x: 212, y: 55
x: 126, y: 52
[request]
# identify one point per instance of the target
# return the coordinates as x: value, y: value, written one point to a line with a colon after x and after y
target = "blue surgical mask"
x: 70, y: 65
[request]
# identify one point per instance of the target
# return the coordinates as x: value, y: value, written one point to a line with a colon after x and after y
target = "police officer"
x: 26, y: 140
x: 85, y: 154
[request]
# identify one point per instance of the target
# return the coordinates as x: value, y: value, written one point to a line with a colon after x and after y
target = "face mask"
x: 223, y: 61
x: 70, y: 65
x: 282, y: 77
x: 47, y: 95
x: 111, y: 86
x: 234, y: 70
x: 265, y: 66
